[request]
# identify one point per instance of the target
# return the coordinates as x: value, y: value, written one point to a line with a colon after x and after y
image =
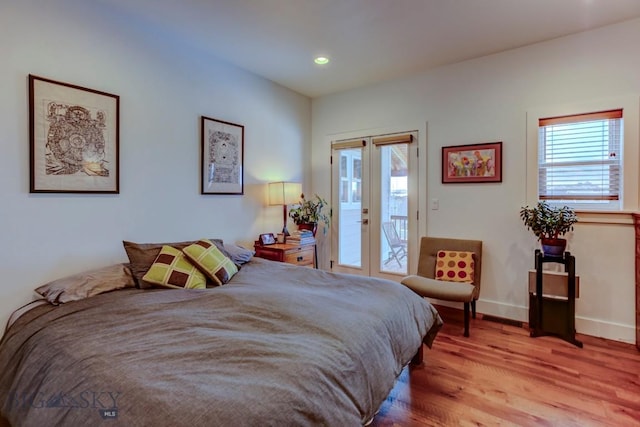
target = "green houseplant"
x: 548, y: 223
x: 307, y: 214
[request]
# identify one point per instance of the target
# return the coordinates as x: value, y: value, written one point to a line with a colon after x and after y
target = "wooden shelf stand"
x: 552, y: 315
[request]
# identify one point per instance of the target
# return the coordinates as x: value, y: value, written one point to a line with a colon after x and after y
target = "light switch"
x: 435, y: 204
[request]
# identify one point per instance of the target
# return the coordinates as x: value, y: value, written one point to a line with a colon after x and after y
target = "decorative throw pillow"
x: 142, y: 255
x: 87, y: 284
x: 173, y: 270
x: 238, y: 254
x: 211, y: 261
x: 455, y: 266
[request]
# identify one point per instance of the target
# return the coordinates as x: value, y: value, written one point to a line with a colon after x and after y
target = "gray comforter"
x: 278, y: 346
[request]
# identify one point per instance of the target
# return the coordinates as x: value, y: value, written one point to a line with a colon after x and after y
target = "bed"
x: 277, y: 345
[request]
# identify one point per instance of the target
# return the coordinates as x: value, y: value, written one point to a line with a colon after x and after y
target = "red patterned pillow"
x: 455, y: 266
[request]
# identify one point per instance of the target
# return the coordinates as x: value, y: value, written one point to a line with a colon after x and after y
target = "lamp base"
x: 284, y: 220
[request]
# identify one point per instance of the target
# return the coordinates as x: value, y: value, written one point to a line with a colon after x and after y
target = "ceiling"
x: 368, y: 41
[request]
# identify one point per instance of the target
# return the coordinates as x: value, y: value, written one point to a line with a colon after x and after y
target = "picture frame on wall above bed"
x: 472, y: 163
x: 73, y: 138
x: 222, y: 157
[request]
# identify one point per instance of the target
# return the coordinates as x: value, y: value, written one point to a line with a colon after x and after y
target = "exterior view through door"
x: 374, y: 182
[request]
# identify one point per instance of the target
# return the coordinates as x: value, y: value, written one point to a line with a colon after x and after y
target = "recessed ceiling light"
x: 321, y: 60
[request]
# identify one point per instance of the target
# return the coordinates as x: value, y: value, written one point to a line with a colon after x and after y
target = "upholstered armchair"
x: 425, y: 283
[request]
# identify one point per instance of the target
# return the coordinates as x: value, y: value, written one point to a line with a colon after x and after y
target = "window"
x: 570, y: 161
x: 580, y: 159
x: 351, y: 176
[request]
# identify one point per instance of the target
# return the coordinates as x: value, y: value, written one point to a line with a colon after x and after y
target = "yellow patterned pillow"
x: 211, y: 261
x: 172, y: 269
x: 455, y: 266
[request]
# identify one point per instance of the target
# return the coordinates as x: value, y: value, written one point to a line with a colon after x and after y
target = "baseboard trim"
x: 608, y: 330
x: 584, y: 325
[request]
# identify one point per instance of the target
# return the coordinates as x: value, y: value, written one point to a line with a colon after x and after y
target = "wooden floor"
x: 500, y: 376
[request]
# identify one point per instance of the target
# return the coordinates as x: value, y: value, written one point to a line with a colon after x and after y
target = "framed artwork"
x: 74, y: 138
x: 472, y: 163
x: 267, y: 239
x: 222, y: 157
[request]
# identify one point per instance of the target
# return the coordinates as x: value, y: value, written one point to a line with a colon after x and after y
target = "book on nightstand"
x: 301, y: 237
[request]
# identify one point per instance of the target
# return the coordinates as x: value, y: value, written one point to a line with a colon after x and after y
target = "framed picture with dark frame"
x: 472, y: 163
x: 74, y: 138
x: 222, y: 155
x: 267, y: 239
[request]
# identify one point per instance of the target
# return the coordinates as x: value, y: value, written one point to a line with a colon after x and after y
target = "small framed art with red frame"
x: 472, y: 163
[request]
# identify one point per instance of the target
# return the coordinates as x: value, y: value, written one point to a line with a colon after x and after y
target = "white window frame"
x: 629, y: 196
x: 555, y: 135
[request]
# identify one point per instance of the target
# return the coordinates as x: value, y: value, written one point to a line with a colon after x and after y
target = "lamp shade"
x: 284, y: 193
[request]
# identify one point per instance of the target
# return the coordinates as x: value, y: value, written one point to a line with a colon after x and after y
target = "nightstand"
x: 302, y: 255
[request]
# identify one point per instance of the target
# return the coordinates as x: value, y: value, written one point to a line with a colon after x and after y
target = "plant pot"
x: 313, y: 226
x: 553, y: 247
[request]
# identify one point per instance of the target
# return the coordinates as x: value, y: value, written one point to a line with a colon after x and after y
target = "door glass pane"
x: 356, y: 181
x: 394, y: 205
x: 349, y: 225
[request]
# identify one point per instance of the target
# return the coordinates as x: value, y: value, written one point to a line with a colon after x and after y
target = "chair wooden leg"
x: 466, y: 319
x: 473, y: 308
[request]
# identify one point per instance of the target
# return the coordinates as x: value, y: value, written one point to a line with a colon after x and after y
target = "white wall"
x: 164, y: 88
x: 487, y: 100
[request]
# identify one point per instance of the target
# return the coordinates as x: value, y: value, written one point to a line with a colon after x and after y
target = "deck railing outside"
x: 401, y: 223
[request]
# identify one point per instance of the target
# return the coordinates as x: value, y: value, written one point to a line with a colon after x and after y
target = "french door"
x: 374, y: 199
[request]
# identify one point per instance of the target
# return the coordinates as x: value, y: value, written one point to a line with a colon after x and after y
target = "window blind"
x: 405, y: 138
x: 579, y: 157
x: 348, y: 144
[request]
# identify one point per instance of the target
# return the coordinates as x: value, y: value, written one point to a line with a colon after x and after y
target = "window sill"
x: 603, y: 217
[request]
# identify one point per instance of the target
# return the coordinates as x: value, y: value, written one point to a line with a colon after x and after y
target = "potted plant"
x: 548, y: 223
x: 308, y: 213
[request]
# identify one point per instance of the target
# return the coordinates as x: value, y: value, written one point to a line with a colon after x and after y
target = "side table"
x: 302, y: 255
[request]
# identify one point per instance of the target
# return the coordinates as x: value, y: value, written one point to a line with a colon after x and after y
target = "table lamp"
x: 284, y: 193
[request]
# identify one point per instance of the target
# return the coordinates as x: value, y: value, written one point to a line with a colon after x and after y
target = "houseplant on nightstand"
x: 309, y: 213
x: 548, y: 223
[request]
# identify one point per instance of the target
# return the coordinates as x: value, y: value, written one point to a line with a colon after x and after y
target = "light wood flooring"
x: 500, y: 376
